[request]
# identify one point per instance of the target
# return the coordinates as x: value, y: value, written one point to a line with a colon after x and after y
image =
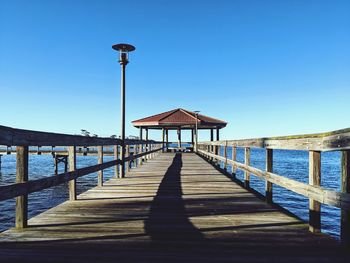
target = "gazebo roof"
x: 179, y: 118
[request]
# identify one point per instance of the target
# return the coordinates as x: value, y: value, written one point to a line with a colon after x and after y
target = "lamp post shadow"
x: 168, y: 220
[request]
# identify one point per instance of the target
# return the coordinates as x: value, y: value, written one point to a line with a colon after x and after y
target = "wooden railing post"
x: 246, y: 162
x: 269, y: 168
x: 234, y: 158
x: 314, y: 179
x: 345, y: 188
x: 140, y: 151
x: 225, y: 155
x: 116, y: 156
x: 128, y: 154
x: 72, y: 161
x: 21, y: 177
x: 100, y: 161
x: 136, y: 151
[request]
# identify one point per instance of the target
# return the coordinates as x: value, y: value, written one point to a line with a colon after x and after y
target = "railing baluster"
x: 116, y: 156
x: 127, y: 155
x: 225, y: 155
x: 21, y: 177
x: 345, y: 188
x: 72, y: 161
x: 246, y: 162
x: 314, y: 179
x: 234, y: 158
x: 269, y: 168
x: 140, y: 152
x: 100, y: 161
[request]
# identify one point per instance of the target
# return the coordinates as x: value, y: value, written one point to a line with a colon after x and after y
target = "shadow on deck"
x: 168, y: 219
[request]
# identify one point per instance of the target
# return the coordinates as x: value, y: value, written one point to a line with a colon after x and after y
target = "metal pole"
x: 123, y: 50
x: 123, y: 63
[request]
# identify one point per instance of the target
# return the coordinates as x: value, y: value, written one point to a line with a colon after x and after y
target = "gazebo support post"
x: 141, y: 133
x: 179, y: 138
x: 167, y: 139
x: 192, y: 138
x: 163, y: 138
x: 217, y: 147
x: 211, y: 149
x: 147, y: 145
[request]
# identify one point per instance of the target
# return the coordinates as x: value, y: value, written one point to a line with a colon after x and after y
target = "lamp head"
x: 123, y: 50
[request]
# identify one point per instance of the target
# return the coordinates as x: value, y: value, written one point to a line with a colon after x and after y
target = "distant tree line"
x: 113, y: 136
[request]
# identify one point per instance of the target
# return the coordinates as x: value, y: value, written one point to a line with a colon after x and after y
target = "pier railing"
x: 314, y: 144
x: 23, y: 139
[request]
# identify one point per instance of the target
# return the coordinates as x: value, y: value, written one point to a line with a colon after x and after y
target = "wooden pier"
x: 176, y: 207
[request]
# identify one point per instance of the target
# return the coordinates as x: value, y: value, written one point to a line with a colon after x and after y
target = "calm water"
x: 292, y: 164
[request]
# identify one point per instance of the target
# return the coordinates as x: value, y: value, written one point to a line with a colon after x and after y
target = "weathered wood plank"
x: 22, y: 177
x: 314, y: 180
x: 100, y: 161
x: 269, y: 168
x: 247, y: 163
x: 116, y: 157
x: 345, y: 189
x: 72, y: 163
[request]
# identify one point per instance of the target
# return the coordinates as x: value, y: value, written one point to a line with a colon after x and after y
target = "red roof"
x: 179, y: 118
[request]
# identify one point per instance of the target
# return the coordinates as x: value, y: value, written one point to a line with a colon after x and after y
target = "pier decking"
x: 175, y: 208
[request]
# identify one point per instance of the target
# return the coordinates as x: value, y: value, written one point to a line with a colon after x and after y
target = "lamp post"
x: 123, y: 50
x: 196, y: 143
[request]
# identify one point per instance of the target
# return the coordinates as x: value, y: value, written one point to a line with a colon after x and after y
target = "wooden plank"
x: 116, y: 157
x: 322, y: 195
x: 100, y: 161
x: 127, y: 158
x: 140, y: 152
x: 72, y: 162
x: 22, y: 177
x: 247, y: 163
x: 315, y: 180
x: 345, y: 188
x: 234, y: 158
x: 269, y: 168
x: 225, y: 156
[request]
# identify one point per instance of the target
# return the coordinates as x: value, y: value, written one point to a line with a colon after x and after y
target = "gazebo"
x: 179, y: 119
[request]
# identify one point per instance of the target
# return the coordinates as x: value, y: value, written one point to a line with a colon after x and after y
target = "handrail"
x: 19, y: 137
x: 23, y: 139
x: 315, y: 144
x: 320, y: 194
x: 25, y: 188
x: 328, y: 141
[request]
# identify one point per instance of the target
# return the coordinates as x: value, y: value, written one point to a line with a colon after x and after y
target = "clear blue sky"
x: 267, y: 67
